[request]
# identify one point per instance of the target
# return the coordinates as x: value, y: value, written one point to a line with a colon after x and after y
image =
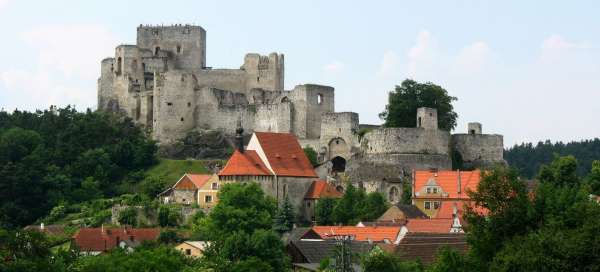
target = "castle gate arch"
x: 338, y: 148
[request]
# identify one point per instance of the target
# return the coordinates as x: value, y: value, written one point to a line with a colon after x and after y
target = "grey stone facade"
x: 163, y: 83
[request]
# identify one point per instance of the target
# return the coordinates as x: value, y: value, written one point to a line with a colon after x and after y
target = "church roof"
x: 321, y: 189
x: 284, y: 154
x: 245, y: 164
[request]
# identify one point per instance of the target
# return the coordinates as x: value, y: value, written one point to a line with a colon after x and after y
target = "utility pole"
x: 343, y: 258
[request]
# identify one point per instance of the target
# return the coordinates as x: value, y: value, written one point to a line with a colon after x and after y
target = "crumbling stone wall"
x: 406, y: 141
x: 479, y: 150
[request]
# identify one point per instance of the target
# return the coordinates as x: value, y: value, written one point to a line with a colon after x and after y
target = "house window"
x: 215, y: 186
x: 308, y: 204
x: 427, y: 205
x: 188, y: 251
x: 435, y: 190
x: 436, y: 205
x: 429, y: 190
x: 208, y: 199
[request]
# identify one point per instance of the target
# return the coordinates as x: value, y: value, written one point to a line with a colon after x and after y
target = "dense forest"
x: 528, y: 158
x: 61, y: 156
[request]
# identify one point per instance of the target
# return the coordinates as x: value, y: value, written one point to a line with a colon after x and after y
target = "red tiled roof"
x: 321, y: 189
x: 285, y: 155
x: 448, y: 181
x: 375, y: 234
x: 199, y: 180
x: 439, y: 225
x: 245, y: 164
x: 446, y: 209
x: 94, y: 239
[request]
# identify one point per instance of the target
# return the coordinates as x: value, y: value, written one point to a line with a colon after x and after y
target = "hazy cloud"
x: 68, y: 64
x: 422, y: 55
x: 389, y: 64
x: 473, y: 58
x: 334, y: 67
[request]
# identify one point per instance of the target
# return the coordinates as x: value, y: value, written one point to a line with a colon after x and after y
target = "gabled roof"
x: 321, y: 189
x: 448, y: 181
x: 197, y: 180
x: 201, y: 245
x: 400, y: 212
x: 245, y: 164
x: 314, y: 251
x: 102, y: 239
x: 284, y: 154
x: 426, y: 246
x: 437, y: 225
x: 374, y: 233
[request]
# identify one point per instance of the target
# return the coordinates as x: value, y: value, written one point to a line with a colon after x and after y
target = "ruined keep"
x: 164, y: 84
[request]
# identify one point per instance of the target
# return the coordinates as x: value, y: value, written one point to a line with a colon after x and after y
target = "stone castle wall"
x: 406, y: 141
x: 479, y: 149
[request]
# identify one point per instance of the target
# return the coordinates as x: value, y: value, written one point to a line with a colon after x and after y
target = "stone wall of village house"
x: 184, y: 196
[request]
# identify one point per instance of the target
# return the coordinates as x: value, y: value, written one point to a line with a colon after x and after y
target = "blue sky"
x: 529, y: 70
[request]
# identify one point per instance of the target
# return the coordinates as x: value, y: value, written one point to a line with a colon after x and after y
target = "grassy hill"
x: 172, y: 170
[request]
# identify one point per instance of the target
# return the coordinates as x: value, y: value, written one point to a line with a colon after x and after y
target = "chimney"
x: 102, y: 228
x: 459, y: 182
x: 239, y: 136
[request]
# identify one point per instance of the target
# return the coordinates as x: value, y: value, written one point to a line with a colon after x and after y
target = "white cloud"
x: 555, y: 47
x: 76, y: 50
x: 472, y: 59
x: 389, y: 64
x: 3, y: 4
x: 67, y: 67
x: 334, y: 67
x: 422, y: 55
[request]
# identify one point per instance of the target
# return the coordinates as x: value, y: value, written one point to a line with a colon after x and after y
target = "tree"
x: 128, y: 216
x: 168, y: 216
x: 403, y: 102
x: 344, y: 211
x: 593, y: 178
x: 311, y: 154
x: 284, y: 219
x: 324, y: 211
x: 375, y: 206
x: 562, y: 171
x: 239, y: 227
x: 380, y: 261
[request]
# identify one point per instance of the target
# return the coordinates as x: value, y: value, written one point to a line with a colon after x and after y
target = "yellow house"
x: 207, y: 193
x: 192, y: 248
x: 438, y: 193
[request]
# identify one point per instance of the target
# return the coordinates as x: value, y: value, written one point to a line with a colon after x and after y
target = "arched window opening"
x: 119, y: 65
x: 394, y: 194
x: 319, y: 99
x: 339, y: 164
x: 178, y: 49
x: 156, y: 50
x: 419, y: 122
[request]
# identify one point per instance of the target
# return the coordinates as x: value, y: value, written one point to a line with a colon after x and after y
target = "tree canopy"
x: 405, y: 99
x: 61, y: 155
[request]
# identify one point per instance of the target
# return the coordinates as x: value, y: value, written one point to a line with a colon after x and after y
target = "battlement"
x: 168, y: 27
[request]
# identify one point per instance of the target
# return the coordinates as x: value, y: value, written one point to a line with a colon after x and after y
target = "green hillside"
x: 172, y: 170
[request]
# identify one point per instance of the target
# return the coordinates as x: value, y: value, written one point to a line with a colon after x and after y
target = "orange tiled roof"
x: 199, y: 180
x: 375, y: 233
x: 321, y: 189
x: 439, y: 225
x: 245, y: 164
x: 448, y: 181
x: 94, y: 239
x: 285, y: 155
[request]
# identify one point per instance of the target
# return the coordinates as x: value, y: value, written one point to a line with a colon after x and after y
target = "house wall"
x: 194, y: 251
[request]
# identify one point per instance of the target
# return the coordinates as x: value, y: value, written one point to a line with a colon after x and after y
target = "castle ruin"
x: 164, y: 84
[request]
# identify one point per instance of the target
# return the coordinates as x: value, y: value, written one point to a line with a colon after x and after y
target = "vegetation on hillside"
x: 405, y: 99
x: 63, y: 156
x: 356, y: 205
x: 529, y: 157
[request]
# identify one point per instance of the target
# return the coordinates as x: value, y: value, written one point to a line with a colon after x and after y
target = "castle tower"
x: 264, y: 72
x: 427, y: 118
x: 185, y: 43
x: 474, y: 128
